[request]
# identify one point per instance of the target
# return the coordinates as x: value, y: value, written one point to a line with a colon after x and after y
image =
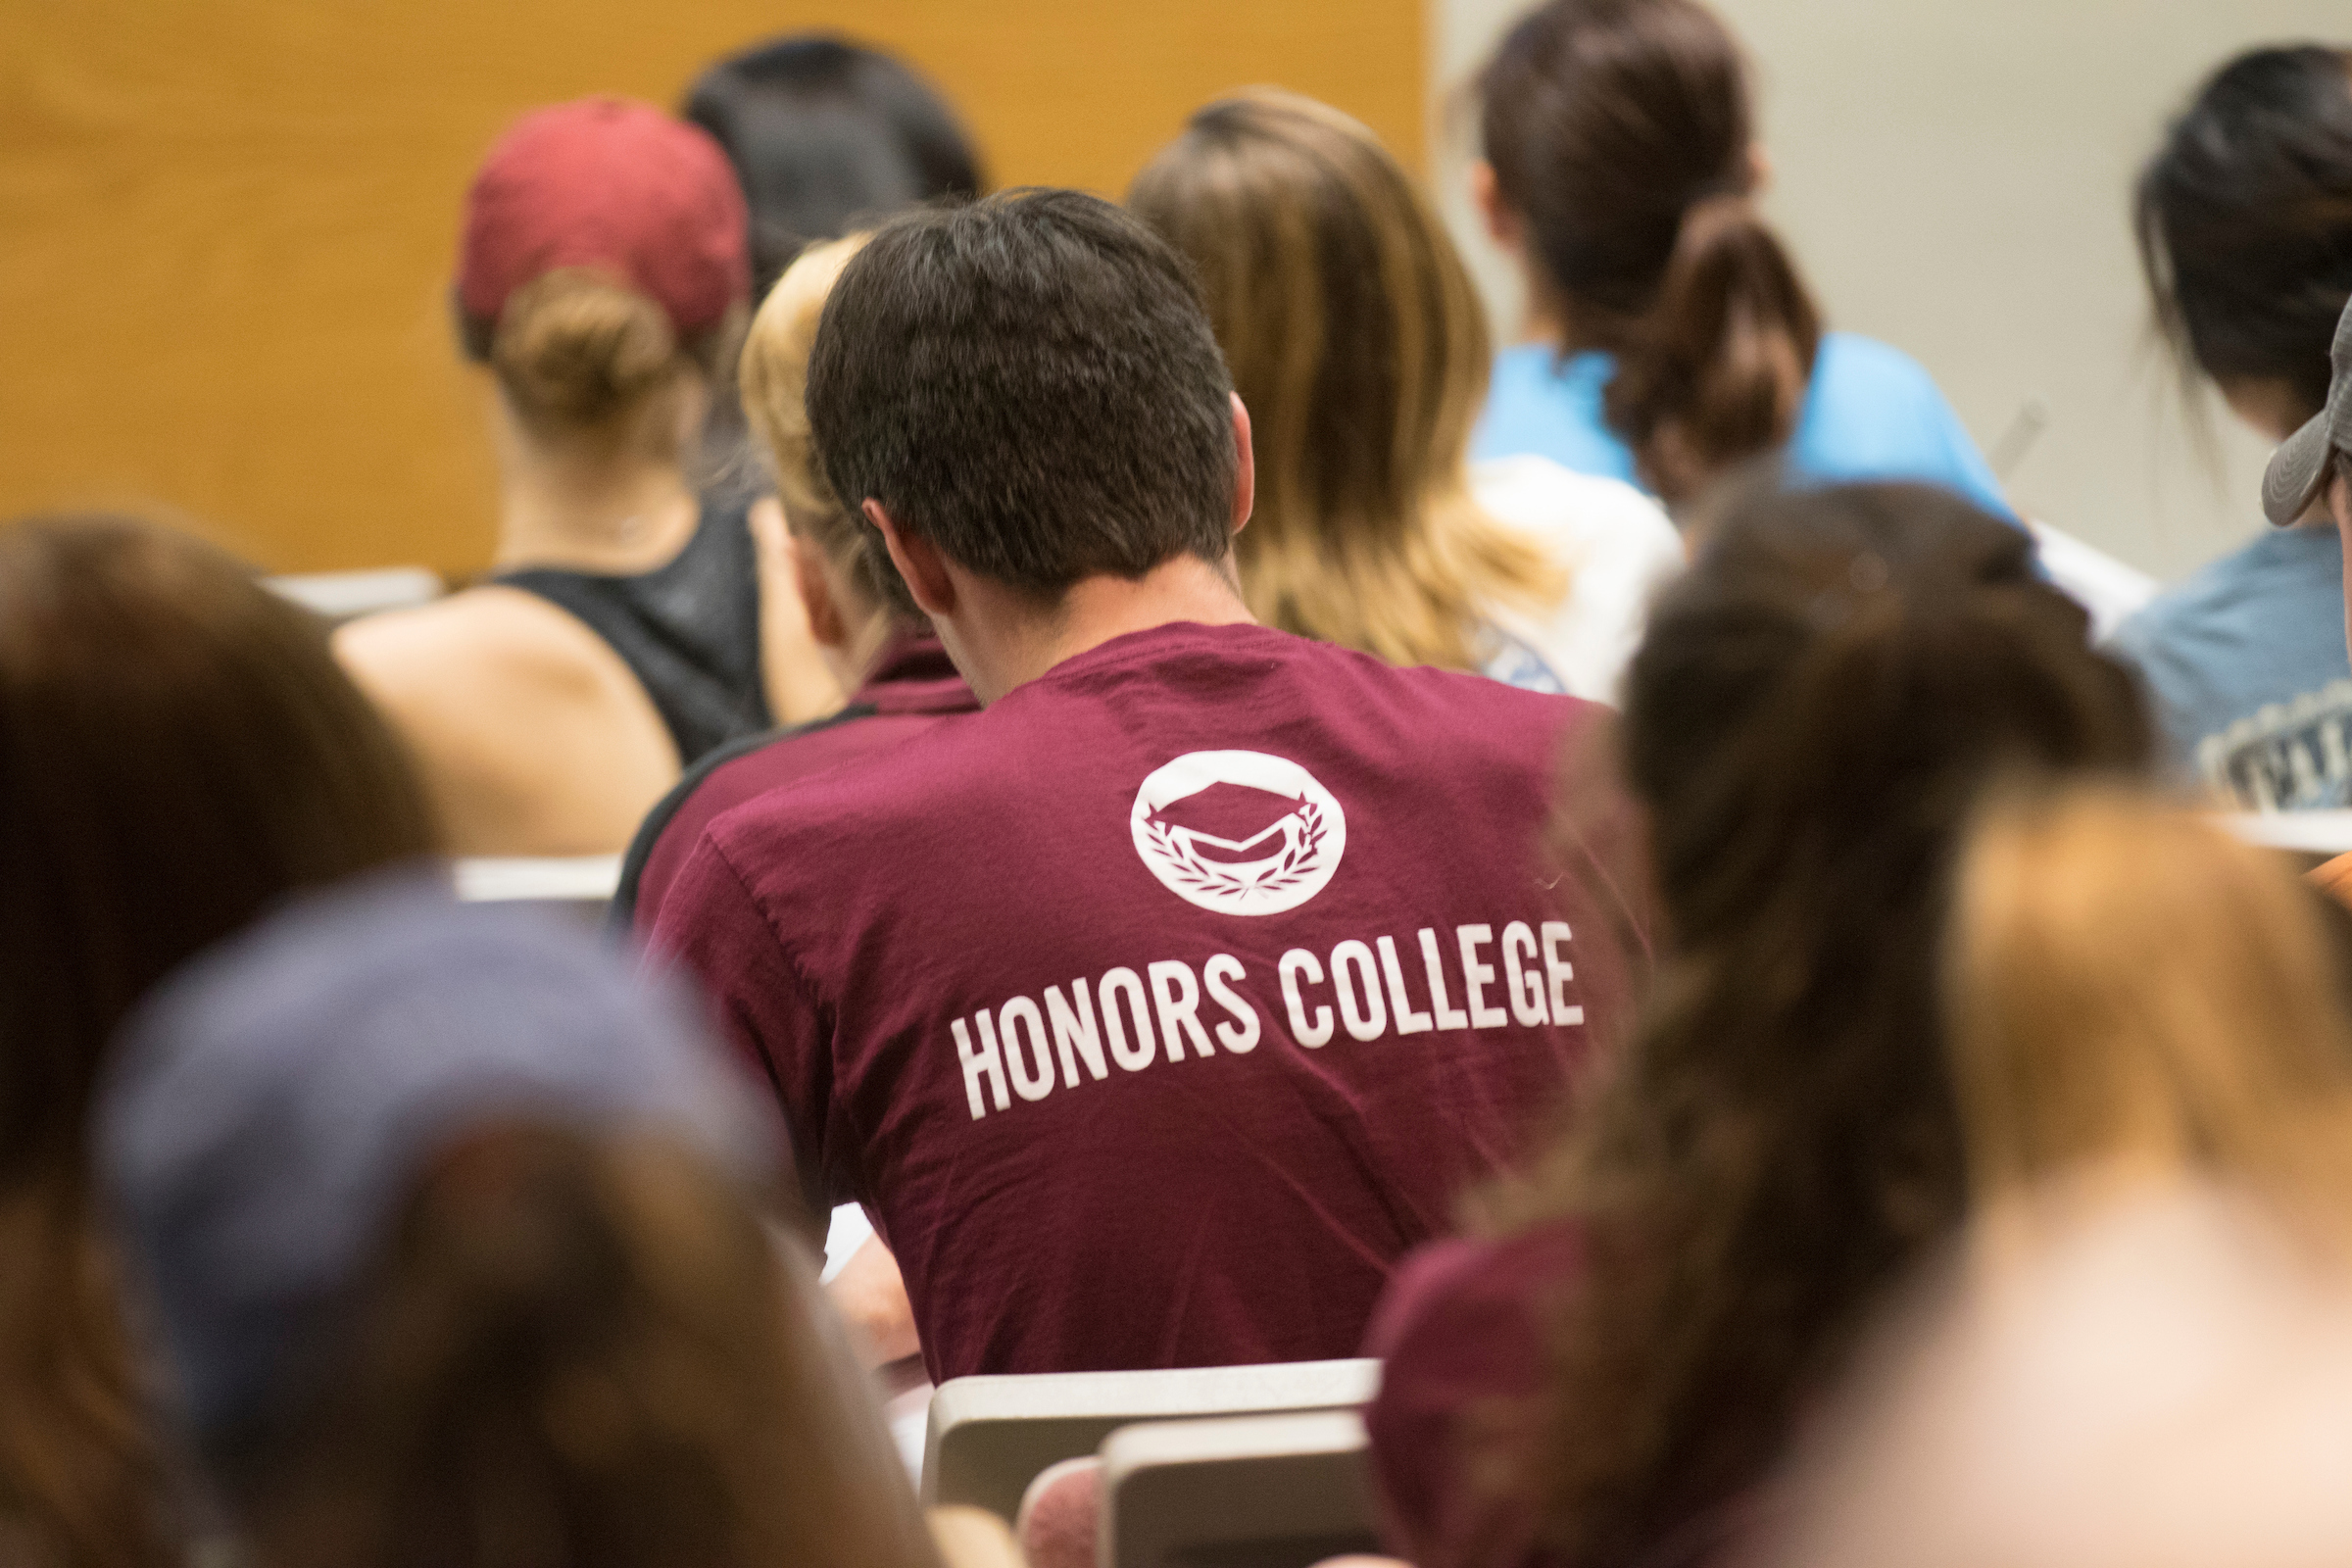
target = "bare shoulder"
x: 534, y: 735
x: 486, y: 638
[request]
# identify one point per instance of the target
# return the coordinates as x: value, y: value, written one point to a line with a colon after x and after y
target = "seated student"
x: 1619, y: 1355
x: 1359, y: 347
x: 824, y: 135
x: 2245, y: 229
x: 2144, y: 1357
x: 1156, y: 1009
x: 877, y: 644
x: 180, y: 754
x: 451, y: 1236
x: 1669, y: 335
x: 602, y: 281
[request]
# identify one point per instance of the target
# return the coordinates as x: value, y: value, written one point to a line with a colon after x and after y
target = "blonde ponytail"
x: 575, y: 350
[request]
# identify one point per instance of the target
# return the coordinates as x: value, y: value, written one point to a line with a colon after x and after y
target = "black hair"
x: 2245, y: 220
x: 1031, y: 384
x: 826, y: 134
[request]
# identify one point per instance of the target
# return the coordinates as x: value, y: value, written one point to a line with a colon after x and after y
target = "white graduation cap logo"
x: 1239, y: 832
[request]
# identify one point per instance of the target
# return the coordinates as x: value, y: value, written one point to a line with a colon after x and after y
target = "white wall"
x: 1954, y: 176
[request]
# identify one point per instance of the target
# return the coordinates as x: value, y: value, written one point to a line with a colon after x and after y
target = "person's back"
x: 450, y: 1234
x: 1671, y: 337
x: 1157, y: 1008
x: 2244, y: 217
x: 620, y: 636
x: 1607, y: 1369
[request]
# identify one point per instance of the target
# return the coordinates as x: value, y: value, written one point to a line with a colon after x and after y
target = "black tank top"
x: 689, y: 630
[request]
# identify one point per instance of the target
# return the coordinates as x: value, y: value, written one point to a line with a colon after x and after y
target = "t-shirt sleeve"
x: 1461, y: 1335
x: 711, y: 925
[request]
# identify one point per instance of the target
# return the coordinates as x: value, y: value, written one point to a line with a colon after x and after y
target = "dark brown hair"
x: 1813, y: 714
x: 179, y: 752
x: 1029, y: 383
x: 580, y: 1352
x: 1620, y: 131
x: 1359, y: 344
x: 2244, y: 221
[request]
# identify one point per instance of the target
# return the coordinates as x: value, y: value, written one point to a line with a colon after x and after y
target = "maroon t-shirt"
x: 911, y: 687
x: 1461, y: 1335
x: 1154, y: 1011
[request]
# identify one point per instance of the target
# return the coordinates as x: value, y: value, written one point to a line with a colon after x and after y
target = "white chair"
x: 340, y: 596
x: 1244, y: 1491
x: 989, y: 1436
x: 582, y: 883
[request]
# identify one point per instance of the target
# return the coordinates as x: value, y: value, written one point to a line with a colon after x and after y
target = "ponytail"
x: 1715, y: 372
x: 1622, y: 133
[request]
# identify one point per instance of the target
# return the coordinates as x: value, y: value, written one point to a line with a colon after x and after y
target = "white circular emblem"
x: 1239, y: 832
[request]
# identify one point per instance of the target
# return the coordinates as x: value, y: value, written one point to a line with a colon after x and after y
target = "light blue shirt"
x: 1870, y: 413
x: 2246, y: 665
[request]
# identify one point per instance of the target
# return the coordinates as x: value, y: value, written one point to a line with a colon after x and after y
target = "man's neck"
x: 1003, y: 641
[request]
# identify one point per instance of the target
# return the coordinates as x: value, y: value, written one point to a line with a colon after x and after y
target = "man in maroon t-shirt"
x: 1156, y: 1009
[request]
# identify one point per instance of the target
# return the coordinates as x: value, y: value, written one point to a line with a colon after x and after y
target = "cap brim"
x: 2297, y: 470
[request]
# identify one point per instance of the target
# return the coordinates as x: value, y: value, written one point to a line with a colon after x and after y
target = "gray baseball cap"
x: 271, y: 1105
x: 2299, y: 468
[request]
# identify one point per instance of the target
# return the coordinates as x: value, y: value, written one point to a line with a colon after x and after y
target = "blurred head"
x: 824, y: 135
x: 2130, y: 985
x: 1809, y: 726
x: 449, y: 1228
x: 1029, y: 386
x: 1356, y: 341
x: 179, y: 752
x: 850, y: 591
x: 2154, y: 1376
x: 603, y: 273
x: 2244, y: 221
x: 1620, y: 137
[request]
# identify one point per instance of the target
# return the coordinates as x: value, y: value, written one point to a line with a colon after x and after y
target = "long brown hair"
x: 1807, y: 726
x: 178, y: 753
x: 2129, y: 983
x: 1359, y: 347
x: 1621, y: 131
x: 582, y: 1351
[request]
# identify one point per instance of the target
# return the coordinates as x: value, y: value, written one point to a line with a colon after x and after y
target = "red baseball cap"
x: 612, y: 186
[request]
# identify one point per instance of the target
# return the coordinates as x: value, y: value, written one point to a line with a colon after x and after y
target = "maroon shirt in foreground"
x: 1157, y: 1010
x: 911, y: 687
x: 1462, y: 1337
x: 1458, y: 1429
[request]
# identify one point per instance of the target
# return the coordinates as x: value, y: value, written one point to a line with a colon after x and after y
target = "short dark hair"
x: 1031, y: 384
x: 826, y: 134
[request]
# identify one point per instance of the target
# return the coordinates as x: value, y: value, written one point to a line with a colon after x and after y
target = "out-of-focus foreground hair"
x: 1808, y: 724
x: 775, y: 400
x: 585, y: 1350
x: 1357, y: 342
x: 826, y: 134
x: 2130, y: 984
x: 1621, y: 132
x: 179, y: 752
x: 2244, y: 221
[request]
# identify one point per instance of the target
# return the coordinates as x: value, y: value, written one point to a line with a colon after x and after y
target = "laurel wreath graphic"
x: 1296, y: 865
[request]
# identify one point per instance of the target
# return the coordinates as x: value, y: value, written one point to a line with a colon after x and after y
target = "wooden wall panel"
x: 226, y: 227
